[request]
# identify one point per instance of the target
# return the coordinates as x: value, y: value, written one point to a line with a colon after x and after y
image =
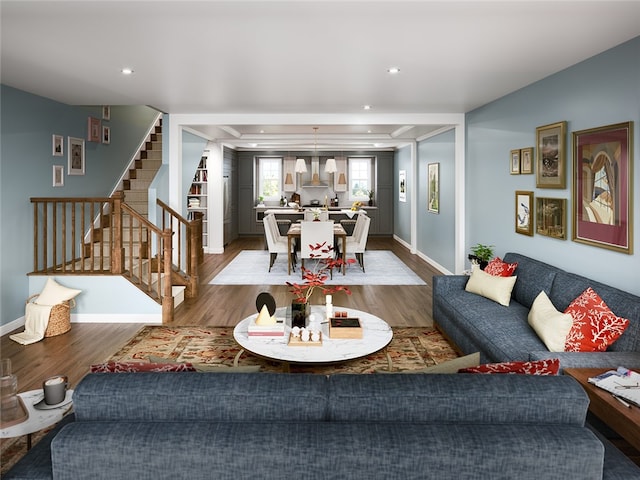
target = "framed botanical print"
x: 93, y: 129
x: 58, y: 176
x: 524, y: 213
x: 402, y: 185
x: 433, y: 194
x: 551, y: 156
x: 551, y: 217
x: 514, y: 162
x: 57, y: 145
x: 526, y: 160
x: 75, y: 156
x: 603, y: 187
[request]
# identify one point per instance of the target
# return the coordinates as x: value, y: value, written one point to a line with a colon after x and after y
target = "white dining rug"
x: 251, y: 267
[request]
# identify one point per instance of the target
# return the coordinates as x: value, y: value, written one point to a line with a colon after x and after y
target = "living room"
x: 477, y: 188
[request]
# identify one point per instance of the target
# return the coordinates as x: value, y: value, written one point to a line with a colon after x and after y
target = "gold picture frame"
x: 526, y: 160
x: 551, y: 159
x: 551, y: 217
x: 524, y: 213
x: 514, y: 162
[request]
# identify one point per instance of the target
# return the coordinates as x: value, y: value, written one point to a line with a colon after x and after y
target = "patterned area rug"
x: 410, y: 348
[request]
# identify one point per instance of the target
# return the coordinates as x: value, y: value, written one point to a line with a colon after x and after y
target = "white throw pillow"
x: 551, y: 325
x: 53, y: 293
x: 494, y: 288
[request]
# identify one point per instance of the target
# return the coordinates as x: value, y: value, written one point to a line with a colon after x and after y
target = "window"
x: 270, y: 178
x: 360, y: 177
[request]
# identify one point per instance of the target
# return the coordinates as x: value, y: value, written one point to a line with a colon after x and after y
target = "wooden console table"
x: 624, y: 420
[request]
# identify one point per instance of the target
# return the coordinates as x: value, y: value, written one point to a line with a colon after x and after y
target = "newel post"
x: 117, y: 249
x: 167, y: 284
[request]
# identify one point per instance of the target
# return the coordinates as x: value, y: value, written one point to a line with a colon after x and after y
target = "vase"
x: 300, y: 314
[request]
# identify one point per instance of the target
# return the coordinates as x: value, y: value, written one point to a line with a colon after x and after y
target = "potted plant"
x: 481, y: 254
x: 371, y: 192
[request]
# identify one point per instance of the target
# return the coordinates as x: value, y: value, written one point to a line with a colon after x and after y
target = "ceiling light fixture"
x: 366, y: 107
x: 126, y: 71
x: 393, y: 70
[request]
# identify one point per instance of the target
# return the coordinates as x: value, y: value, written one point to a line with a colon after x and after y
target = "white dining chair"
x: 313, y: 234
x: 276, y: 243
x: 357, y: 243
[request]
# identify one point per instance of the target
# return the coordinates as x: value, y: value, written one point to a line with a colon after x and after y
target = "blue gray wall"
x: 402, y: 210
x: 600, y: 91
x: 28, y: 123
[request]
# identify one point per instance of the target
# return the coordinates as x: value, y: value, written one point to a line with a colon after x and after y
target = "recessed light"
x: 126, y: 71
x: 393, y: 70
x: 366, y: 107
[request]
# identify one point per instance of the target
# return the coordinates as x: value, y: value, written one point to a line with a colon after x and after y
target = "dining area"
x: 315, y: 235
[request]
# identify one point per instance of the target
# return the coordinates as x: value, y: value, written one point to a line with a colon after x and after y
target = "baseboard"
x: 145, y: 318
x: 424, y: 257
x: 11, y: 326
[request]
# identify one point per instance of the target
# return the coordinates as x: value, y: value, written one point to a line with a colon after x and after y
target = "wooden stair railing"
x: 188, y: 252
x: 104, y: 236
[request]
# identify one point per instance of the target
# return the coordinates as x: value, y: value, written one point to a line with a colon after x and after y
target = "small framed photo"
x: 57, y: 145
x: 551, y: 217
x: 551, y: 161
x: 93, y: 129
x: 602, y: 193
x: 526, y: 160
x: 106, y: 112
x: 58, y: 176
x: 433, y: 194
x: 514, y: 164
x: 524, y: 213
x: 75, y: 156
x: 402, y: 187
x: 106, y: 135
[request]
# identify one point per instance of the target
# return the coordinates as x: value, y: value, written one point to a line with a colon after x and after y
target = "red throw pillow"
x: 550, y: 366
x: 595, y: 326
x: 499, y: 268
x: 129, y: 367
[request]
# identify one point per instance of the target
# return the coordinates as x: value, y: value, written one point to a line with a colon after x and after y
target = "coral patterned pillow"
x: 549, y: 366
x: 499, y: 268
x: 129, y: 367
x: 595, y: 326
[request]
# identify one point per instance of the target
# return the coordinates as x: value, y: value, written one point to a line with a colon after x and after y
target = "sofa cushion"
x: 495, y: 288
x: 533, y: 276
x: 595, y: 326
x: 551, y: 325
x: 499, y: 268
x: 540, y: 367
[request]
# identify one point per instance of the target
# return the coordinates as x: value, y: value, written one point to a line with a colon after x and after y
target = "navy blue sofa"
x: 502, y: 334
x: 277, y: 426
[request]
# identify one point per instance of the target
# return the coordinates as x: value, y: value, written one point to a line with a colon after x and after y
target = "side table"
x: 624, y: 420
x: 38, y: 419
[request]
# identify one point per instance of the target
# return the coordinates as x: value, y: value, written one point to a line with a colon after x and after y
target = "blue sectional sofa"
x: 502, y: 334
x: 277, y: 426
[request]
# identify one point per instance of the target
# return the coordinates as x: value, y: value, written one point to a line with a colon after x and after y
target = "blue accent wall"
x: 602, y: 90
x: 436, y: 231
x: 402, y: 210
x: 28, y: 123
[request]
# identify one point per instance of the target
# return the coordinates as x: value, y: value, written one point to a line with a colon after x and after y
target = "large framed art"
x: 602, y: 187
x: 551, y: 156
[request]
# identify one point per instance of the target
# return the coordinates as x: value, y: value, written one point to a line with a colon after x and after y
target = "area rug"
x: 251, y: 267
x: 410, y: 348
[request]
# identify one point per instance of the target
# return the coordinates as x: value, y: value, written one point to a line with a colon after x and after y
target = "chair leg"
x: 273, y: 257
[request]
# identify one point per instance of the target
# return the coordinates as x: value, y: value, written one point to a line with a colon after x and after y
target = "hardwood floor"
x: 217, y: 305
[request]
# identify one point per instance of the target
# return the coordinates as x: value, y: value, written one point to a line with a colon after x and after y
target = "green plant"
x: 483, y: 253
x: 371, y: 194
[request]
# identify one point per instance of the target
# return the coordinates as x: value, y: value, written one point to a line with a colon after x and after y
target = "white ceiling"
x: 302, y: 57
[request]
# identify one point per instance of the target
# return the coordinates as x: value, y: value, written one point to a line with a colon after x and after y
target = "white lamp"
x: 330, y: 166
x: 300, y: 168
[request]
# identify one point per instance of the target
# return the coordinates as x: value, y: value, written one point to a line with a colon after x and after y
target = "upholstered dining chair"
x: 315, y: 233
x: 276, y: 243
x: 357, y: 243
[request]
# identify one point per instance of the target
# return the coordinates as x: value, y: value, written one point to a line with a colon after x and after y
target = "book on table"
x: 621, y: 383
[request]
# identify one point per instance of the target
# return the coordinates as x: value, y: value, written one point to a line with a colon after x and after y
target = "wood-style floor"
x: 217, y: 305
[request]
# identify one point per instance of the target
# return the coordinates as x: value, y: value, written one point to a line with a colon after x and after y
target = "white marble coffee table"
x: 376, y: 335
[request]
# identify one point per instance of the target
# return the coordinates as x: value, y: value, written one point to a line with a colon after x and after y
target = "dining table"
x: 295, y: 231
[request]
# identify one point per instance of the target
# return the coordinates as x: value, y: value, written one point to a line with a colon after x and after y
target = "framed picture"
x: 551, y: 157
x: 602, y: 187
x: 75, y: 156
x: 524, y: 212
x: 551, y: 217
x: 433, y: 194
x: 93, y: 129
x: 106, y: 112
x: 58, y: 175
x: 402, y: 179
x: 57, y: 145
x: 106, y: 135
x: 526, y: 160
x: 514, y: 163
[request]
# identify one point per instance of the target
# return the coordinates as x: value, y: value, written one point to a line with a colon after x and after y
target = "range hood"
x: 315, y: 180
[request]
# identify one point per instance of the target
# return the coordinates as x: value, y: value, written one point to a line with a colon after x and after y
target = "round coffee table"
x: 376, y: 335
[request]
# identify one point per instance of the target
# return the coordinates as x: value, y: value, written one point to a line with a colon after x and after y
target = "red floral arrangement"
x: 319, y: 275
